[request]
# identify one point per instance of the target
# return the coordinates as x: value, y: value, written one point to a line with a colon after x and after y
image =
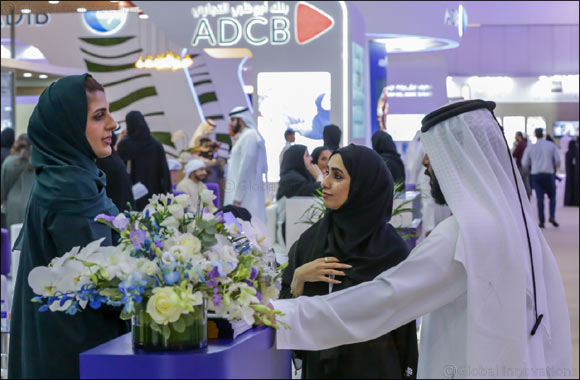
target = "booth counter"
x: 252, y: 355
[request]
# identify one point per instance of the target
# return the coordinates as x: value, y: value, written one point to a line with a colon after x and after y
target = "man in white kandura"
x: 247, y: 165
x: 192, y: 183
x: 485, y: 279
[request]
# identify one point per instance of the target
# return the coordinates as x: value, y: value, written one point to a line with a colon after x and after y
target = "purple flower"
x: 229, y: 218
x: 215, y: 272
x: 259, y: 296
x: 137, y: 238
x: 104, y: 217
x: 220, y: 217
x: 254, y: 273
x: 121, y: 223
x: 217, y: 300
x: 158, y: 243
x: 212, y: 283
x: 249, y: 283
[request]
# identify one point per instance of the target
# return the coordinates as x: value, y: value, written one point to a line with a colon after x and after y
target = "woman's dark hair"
x: 91, y: 85
x: 22, y: 148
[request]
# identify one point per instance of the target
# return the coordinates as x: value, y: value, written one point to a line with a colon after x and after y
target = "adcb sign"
x: 265, y: 22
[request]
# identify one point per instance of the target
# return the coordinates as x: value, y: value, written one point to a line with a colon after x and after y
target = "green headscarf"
x: 67, y: 178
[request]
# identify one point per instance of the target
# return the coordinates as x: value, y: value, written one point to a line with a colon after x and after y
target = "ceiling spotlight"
x: 81, y: 10
x: 53, y: 2
x: 25, y: 11
x: 27, y: 75
x: 143, y: 16
x: 43, y: 76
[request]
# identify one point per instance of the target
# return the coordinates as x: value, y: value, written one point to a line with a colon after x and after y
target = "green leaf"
x: 155, y: 327
x: 111, y: 293
x: 166, y: 332
x: 187, y: 319
x: 125, y: 316
x: 179, y: 325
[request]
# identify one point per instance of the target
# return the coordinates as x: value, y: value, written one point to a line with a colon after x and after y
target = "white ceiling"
x: 392, y: 16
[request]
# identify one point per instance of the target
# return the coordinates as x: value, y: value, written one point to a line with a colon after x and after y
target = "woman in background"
x: 383, y: 144
x: 145, y: 158
x: 298, y: 174
x: 119, y: 186
x: 320, y: 157
x: 6, y: 140
x: 17, y: 181
x: 572, y: 191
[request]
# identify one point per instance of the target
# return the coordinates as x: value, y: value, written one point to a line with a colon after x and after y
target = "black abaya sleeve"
x: 164, y: 176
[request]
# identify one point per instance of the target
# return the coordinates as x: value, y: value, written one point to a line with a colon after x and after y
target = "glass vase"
x: 188, y: 332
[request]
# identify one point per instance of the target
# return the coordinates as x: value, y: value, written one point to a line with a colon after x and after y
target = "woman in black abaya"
x: 145, y: 158
x: 383, y: 144
x: 298, y: 175
x: 118, y: 181
x: 572, y: 192
x: 352, y: 243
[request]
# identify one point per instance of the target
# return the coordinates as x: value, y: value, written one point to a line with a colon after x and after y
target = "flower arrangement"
x: 170, y: 259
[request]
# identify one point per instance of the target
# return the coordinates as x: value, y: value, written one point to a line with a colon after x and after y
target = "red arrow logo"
x: 310, y: 22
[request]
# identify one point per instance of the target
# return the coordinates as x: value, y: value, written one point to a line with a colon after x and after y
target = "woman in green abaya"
x: 70, y: 127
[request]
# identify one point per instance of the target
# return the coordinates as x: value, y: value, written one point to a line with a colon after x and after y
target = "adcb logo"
x: 310, y: 23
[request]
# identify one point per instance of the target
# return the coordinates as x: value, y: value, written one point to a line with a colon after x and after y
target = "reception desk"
x: 253, y: 355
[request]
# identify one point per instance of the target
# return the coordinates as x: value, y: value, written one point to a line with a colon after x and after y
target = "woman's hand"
x: 315, y: 171
x: 315, y: 271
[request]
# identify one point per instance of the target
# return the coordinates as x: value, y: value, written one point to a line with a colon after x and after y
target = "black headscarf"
x: 384, y: 145
x: 238, y: 212
x: 7, y: 139
x: 68, y: 180
x: 331, y: 136
x: 137, y: 127
x: 572, y: 189
x: 295, y: 179
x: 316, y: 153
x: 145, y: 158
x: 293, y: 159
x: 358, y: 233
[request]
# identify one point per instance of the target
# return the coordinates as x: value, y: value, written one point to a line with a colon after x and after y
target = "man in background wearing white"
x: 247, y: 165
x: 544, y: 159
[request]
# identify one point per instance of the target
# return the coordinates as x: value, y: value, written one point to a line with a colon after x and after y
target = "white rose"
x: 207, y: 196
x: 182, y: 199
x: 149, y: 267
x: 170, y: 223
x: 164, y: 306
x: 169, y: 256
x: 176, y: 211
x: 192, y: 244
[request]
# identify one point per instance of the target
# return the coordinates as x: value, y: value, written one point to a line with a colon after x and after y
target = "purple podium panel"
x: 252, y: 355
x: 6, y: 252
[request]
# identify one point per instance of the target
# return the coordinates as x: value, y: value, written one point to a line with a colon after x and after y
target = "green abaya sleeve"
x: 48, y: 344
